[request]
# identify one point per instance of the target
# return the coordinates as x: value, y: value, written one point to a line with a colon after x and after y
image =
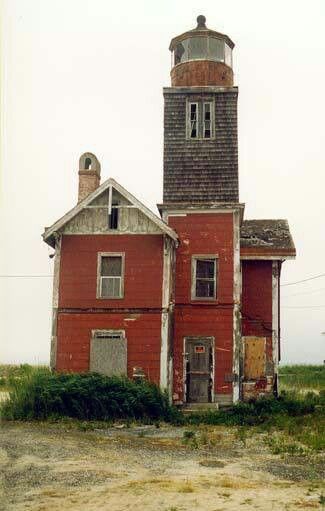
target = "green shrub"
x: 41, y: 394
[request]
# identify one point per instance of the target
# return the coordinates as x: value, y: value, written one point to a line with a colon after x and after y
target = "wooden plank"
x: 255, y: 357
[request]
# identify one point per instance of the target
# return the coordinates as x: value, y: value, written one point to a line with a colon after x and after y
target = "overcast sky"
x: 87, y: 75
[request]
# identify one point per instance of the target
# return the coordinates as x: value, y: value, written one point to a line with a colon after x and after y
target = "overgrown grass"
x: 302, y: 377
x: 40, y: 394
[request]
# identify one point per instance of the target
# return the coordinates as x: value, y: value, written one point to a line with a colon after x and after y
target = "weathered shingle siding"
x: 200, y: 170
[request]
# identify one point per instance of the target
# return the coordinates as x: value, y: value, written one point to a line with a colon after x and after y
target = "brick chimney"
x: 89, y: 175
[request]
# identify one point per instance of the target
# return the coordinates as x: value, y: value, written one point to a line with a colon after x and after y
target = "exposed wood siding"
x: 94, y: 218
x: 200, y: 170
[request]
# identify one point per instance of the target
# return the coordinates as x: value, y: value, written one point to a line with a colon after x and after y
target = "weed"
x: 241, y: 435
x: 40, y: 394
x: 189, y: 438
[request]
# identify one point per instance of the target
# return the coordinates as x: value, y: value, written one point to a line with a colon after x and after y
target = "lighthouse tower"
x: 200, y: 126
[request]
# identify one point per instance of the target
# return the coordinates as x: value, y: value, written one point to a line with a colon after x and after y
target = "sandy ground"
x: 55, y: 467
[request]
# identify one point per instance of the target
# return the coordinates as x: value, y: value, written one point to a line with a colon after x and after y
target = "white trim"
x: 100, y: 255
x: 165, y: 299
x: 200, y: 257
x: 197, y: 120
x: 110, y: 197
x: 85, y: 202
x: 275, y: 314
x: 267, y: 257
x: 236, y: 310
x: 55, y: 301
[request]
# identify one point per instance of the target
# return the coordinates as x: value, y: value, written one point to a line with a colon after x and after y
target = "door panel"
x: 108, y: 356
x: 199, y: 367
x: 255, y: 357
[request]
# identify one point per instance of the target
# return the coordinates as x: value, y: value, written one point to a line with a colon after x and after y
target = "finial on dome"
x: 201, y: 21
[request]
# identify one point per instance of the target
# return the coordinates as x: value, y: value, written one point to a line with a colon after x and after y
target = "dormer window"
x: 200, y: 120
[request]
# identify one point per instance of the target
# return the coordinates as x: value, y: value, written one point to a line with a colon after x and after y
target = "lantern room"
x: 201, y: 57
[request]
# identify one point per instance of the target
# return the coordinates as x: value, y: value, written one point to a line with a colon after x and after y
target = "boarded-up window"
x: 255, y: 357
x: 111, y: 275
x: 108, y: 352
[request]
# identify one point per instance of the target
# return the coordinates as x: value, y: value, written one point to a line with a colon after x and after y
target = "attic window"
x: 113, y: 217
x: 87, y: 164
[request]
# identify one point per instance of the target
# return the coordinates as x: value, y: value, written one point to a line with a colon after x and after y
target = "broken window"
x: 111, y: 275
x: 113, y: 217
x: 204, y: 281
x: 193, y: 120
x: 207, y: 121
x: 200, y: 120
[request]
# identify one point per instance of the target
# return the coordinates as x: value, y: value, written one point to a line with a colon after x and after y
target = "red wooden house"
x: 191, y: 299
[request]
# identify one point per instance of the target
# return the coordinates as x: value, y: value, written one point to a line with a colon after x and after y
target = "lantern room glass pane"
x: 216, y: 49
x: 198, y: 48
x: 228, y: 55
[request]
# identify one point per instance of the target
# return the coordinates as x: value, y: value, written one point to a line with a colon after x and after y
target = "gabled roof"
x: 266, y: 237
x: 49, y: 233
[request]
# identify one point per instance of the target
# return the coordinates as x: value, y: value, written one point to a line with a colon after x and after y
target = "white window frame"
x: 203, y: 257
x: 100, y: 277
x: 200, y: 123
x: 197, y: 120
x: 204, y: 121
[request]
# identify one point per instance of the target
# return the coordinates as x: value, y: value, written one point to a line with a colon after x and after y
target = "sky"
x: 87, y: 75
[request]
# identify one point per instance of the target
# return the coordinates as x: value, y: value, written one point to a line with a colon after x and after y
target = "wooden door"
x: 199, y: 370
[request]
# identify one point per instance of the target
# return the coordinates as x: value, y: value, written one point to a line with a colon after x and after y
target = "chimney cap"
x: 88, y: 162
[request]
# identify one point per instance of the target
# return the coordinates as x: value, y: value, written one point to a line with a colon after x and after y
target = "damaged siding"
x: 257, y: 323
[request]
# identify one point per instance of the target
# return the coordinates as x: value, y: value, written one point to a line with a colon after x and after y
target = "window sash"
x: 200, y: 120
x: 110, y: 287
x: 110, y: 275
x: 204, y: 287
x: 193, y: 117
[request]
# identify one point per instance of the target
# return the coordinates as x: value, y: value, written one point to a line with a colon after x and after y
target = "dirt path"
x: 48, y: 467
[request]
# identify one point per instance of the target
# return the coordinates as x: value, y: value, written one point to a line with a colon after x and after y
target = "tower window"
x: 87, y: 164
x: 200, y: 123
x: 204, y: 277
x: 194, y: 120
x: 207, y: 121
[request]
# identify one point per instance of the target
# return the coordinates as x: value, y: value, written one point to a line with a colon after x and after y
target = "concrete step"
x: 199, y: 407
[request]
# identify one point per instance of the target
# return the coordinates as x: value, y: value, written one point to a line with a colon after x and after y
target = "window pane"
x: 228, y: 55
x: 111, y: 265
x: 111, y: 287
x: 204, y: 288
x: 207, y: 111
x: 198, y: 48
x: 205, y: 268
x: 216, y: 49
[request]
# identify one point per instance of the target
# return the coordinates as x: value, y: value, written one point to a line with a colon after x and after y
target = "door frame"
x: 199, y: 338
